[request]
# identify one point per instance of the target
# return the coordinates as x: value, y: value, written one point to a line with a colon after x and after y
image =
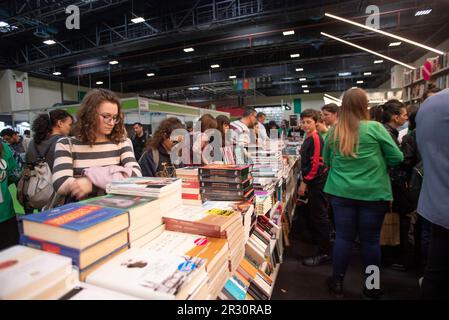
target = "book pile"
x: 30, y: 274
x: 190, y: 185
x: 89, y: 234
x: 153, y: 275
x: 220, y: 182
x: 218, y: 219
x: 214, y: 250
x: 267, y: 163
x: 236, y: 288
x: 145, y: 215
x: 247, y: 283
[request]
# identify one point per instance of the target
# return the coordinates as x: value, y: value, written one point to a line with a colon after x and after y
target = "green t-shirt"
x: 366, y: 176
x: 323, y: 135
x: 8, y: 167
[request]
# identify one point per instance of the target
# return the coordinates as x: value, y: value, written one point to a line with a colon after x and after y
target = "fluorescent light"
x: 378, y: 61
x: 360, y: 82
x: 113, y: 62
x: 304, y: 86
x: 150, y: 74
x: 288, y: 33
x: 367, y: 50
x: 57, y: 73
x: 99, y: 82
x: 294, y: 55
x: 354, y: 88
x: 367, y: 73
x: 306, y: 91
x: 384, y: 33
x: 423, y: 12
x: 395, y: 44
x: 332, y: 98
x: 302, y: 79
x: 299, y: 69
x: 214, y: 66
x: 3, y: 24
x: 344, y: 74
x: 189, y: 49
x: 49, y: 42
x: 232, y: 77
x: 194, y: 88
x: 138, y: 20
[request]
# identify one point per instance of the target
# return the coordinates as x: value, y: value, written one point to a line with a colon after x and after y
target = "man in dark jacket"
x: 139, y: 140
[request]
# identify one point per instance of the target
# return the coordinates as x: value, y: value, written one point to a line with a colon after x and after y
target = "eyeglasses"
x: 108, y: 118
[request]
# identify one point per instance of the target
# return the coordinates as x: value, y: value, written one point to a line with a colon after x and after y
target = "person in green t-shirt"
x: 358, y: 153
x: 9, y: 230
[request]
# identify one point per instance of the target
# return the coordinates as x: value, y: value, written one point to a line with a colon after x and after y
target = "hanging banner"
x: 19, y: 86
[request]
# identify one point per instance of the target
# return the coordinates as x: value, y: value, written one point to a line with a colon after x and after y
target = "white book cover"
x: 145, y: 274
x: 24, y: 271
x: 147, y: 184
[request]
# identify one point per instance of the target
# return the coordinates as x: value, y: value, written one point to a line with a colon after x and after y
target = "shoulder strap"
x: 155, y: 153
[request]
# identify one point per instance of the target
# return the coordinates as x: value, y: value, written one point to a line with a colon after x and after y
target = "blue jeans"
x: 352, y: 218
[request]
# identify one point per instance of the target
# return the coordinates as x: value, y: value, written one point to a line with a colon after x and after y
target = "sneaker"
x: 335, y: 287
x: 318, y: 260
x: 373, y: 294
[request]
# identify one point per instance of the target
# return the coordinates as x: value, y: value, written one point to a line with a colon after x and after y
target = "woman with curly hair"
x: 100, y: 140
x: 159, y: 147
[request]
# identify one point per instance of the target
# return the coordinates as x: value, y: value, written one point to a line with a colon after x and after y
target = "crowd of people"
x: 360, y: 163
x: 357, y: 164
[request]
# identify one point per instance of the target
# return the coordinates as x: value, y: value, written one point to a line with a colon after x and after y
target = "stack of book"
x: 30, y: 274
x: 153, y: 275
x: 190, y: 186
x: 89, y: 234
x: 214, y: 250
x: 219, y: 219
x: 236, y: 288
x: 260, y: 284
x: 145, y: 215
x: 267, y: 163
x: 226, y: 183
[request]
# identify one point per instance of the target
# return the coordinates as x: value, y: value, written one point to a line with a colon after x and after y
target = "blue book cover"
x: 74, y: 216
x: 235, y: 289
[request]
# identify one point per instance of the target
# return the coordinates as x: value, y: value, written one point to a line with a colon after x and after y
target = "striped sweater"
x: 70, y: 161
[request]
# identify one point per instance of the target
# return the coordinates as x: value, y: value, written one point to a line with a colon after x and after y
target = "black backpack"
x: 415, y: 183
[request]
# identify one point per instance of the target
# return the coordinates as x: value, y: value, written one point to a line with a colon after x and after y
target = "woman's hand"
x: 302, y: 189
x: 81, y: 187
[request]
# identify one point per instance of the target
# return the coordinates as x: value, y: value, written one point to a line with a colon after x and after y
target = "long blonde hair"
x: 354, y: 109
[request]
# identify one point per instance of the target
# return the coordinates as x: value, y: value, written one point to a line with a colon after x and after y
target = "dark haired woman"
x: 100, y: 140
x: 48, y: 129
x: 156, y: 159
x: 394, y: 115
x: 9, y: 230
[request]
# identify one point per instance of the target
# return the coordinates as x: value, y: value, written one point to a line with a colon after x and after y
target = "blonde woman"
x: 358, y: 152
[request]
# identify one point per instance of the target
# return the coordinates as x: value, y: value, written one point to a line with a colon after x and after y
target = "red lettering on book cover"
x: 73, y: 215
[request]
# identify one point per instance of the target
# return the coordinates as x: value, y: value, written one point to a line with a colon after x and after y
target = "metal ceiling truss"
x: 107, y: 36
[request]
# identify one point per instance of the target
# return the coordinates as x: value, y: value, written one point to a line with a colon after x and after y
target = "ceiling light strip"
x: 368, y: 50
x: 384, y: 33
